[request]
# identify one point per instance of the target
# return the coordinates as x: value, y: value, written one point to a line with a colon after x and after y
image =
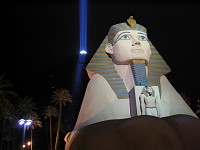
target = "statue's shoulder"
x: 98, y: 79
x: 99, y: 85
x: 163, y: 78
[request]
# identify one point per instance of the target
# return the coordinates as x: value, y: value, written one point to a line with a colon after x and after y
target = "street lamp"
x: 29, y: 145
x: 23, y: 145
x: 24, y: 123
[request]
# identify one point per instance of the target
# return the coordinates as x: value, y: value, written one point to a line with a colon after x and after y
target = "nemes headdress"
x: 102, y: 64
x: 124, y: 26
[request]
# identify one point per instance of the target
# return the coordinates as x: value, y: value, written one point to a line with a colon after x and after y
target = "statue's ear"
x: 109, y: 48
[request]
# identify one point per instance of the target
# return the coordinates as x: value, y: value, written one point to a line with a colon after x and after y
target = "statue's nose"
x: 135, y: 42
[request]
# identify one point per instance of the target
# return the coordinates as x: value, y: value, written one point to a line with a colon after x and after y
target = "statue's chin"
x: 129, y: 62
x: 121, y: 61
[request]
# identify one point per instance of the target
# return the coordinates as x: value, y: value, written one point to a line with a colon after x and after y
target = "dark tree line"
x: 26, y: 108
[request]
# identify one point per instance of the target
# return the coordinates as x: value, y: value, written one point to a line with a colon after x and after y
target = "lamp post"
x: 24, y: 123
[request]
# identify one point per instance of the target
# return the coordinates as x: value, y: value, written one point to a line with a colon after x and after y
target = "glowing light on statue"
x: 83, y: 26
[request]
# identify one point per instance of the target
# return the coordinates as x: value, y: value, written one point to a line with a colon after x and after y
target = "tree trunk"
x: 14, y: 139
x: 58, y: 128
x: 51, y: 147
x: 3, y: 126
x: 31, y: 138
x: 8, y: 146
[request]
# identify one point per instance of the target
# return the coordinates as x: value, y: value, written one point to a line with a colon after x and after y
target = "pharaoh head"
x: 127, y: 42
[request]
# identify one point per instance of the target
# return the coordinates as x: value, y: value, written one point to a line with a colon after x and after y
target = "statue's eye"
x: 125, y: 37
x: 142, y: 38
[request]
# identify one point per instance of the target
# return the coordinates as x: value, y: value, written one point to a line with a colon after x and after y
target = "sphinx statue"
x: 125, y: 63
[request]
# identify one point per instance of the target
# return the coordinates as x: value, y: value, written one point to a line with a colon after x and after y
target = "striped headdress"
x: 102, y: 64
x: 121, y: 27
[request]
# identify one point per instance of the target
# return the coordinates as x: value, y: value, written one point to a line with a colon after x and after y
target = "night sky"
x: 40, y: 43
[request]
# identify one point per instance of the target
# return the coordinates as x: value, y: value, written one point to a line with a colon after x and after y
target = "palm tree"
x: 49, y: 112
x: 35, y: 123
x: 61, y: 97
x: 6, y: 108
x: 25, y: 107
x: 7, y: 115
x: 5, y: 85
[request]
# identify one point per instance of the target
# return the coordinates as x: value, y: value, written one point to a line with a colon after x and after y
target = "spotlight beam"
x: 83, y: 26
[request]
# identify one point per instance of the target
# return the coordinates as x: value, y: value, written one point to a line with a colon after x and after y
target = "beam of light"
x: 76, y: 87
x: 83, y: 26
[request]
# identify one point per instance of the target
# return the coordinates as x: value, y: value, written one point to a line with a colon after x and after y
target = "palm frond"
x: 61, y: 96
x: 35, y: 120
x: 25, y: 106
x: 50, y: 111
x: 5, y: 86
